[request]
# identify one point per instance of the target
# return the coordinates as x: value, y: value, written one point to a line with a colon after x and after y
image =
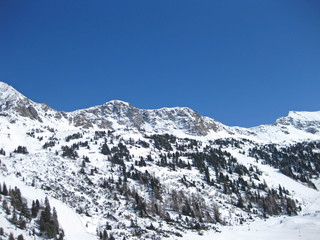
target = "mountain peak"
x: 15, y: 105
x: 302, y: 120
x: 9, y: 94
x: 117, y: 102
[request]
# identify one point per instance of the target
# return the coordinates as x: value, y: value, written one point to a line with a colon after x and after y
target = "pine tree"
x: 20, y: 237
x: 105, y: 235
x: 34, y: 209
x: 14, y: 219
x: 6, y: 207
x: 216, y: 212
x: 55, y: 219
x: 24, y: 210
x: 105, y: 149
x: 189, y: 166
x: 4, y: 189
x: 240, y: 203
x: 49, y: 222
x: 11, y: 236
x: 280, y: 191
x: 207, y: 175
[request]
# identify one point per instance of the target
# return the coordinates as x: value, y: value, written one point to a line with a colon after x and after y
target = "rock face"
x: 121, y: 114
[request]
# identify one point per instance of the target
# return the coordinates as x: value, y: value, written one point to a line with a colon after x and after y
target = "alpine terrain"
x: 115, y: 171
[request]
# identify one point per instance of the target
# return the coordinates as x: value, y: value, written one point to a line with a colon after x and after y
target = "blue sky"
x: 242, y: 63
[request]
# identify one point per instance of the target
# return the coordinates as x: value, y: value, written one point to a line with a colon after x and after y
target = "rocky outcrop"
x: 118, y: 114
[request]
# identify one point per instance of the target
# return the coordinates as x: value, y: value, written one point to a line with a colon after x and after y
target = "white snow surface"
x: 304, y: 115
x: 305, y: 227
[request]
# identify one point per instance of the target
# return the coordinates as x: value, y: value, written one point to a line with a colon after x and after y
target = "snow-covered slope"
x: 132, y: 173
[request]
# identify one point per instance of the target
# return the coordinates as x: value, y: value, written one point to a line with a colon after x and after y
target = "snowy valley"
x: 118, y: 172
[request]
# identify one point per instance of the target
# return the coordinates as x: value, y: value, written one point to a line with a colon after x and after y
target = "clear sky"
x: 242, y: 63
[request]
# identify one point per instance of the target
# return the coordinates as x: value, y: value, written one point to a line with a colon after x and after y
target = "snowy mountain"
x: 121, y: 172
x: 118, y: 115
x: 113, y: 115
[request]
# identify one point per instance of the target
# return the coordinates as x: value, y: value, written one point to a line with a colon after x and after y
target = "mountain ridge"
x: 117, y: 114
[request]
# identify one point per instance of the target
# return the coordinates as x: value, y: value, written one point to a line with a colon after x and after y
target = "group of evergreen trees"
x: 241, y: 185
x: 73, y: 136
x: 18, y: 213
x: 49, y: 221
x: 21, y: 150
x: 300, y: 161
x: 70, y: 152
x: 229, y: 176
x: 163, y: 141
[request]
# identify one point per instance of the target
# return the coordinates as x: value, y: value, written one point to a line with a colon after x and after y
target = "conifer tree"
x: 14, y: 219
x: 217, y: 214
x: 105, y: 149
x: 11, y: 236
x: 240, y: 203
x: 20, y: 237
x: 49, y: 222
x: 34, y: 209
x: 4, y: 189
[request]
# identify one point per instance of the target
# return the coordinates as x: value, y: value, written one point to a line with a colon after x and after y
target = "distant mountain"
x: 116, y: 115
